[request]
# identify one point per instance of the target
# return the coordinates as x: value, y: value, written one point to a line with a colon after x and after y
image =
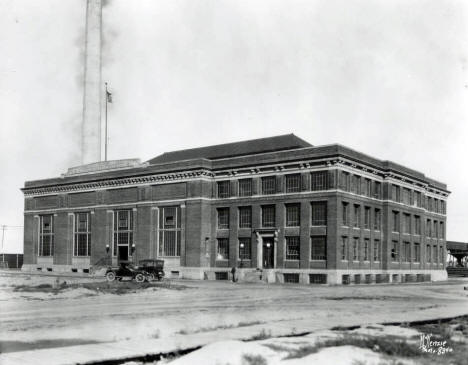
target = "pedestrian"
x: 233, y: 272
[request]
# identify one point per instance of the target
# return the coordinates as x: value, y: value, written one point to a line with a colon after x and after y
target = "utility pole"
x: 3, y: 238
x: 108, y: 100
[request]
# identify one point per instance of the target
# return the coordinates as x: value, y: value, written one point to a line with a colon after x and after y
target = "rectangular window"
x: 367, y: 218
x: 417, y: 253
x: 417, y: 199
x: 224, y: 189
x: 406, y: 196
x: 223, y: 249
x: 428, y: 228
x: 441, y: 255
x: 245, y: 248
x: 377, y: 250
x: 428, y: 253
x: 356, y: 184
x: 395, y: 251
x: 319, y: 213
x: 169, y: 231
x: 269, y: 185
x: 345, y: 213
x: 407, y: 252
x: 293, y: 215
x: 434, y: 254
x: 319, y: 180
x: 223, y: 218
x: 396, y: 222
x: 395, y: 193
x: 443, y: 207
x: 344, y: 248
x: 429, y: 203
x: 417, y: 224
x: 123, y: 230
x: 377, y: 219
x: 442, y: 230
x: 245, y: 187
x: 355, y: 249
x: 82, y: 234
x: 436, y: 229
x: 292, y: 248
x: 245, y: 217
x: 366, y: 249
x: 436, y: 205
x: 377, y: 190
x: 368, y: 188
x: 318, y: 250
x: 268, y: 216
x: 345, y: 181
x: 406, y: 223
x: 293, y: 183
x: 357, y: 216
x: 46, y: 235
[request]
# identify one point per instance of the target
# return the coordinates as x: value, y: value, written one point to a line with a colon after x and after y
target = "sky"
x: 387, y: 78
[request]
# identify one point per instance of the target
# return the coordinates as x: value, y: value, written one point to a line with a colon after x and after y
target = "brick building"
x: 297, y: 212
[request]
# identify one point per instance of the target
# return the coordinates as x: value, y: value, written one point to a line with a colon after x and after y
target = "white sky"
x: 388, y: 78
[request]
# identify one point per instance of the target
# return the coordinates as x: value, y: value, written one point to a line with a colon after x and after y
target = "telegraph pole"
x: 3, y: 238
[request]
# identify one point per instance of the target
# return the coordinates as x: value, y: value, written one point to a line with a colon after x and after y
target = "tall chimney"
x: 91, y: 127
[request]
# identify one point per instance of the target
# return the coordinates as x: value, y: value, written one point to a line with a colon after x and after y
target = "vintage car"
x: 126, y: 270
x: 154, y: 267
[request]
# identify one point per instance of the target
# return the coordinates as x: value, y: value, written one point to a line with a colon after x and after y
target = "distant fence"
x: 11, y: 260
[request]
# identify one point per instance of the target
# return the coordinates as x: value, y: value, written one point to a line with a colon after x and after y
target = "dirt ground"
x: 43, y: 311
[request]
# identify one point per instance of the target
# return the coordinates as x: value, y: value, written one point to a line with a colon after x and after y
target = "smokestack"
x: 91, y: 127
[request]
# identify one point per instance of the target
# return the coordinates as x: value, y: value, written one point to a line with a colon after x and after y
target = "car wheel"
x: 110, y: 276
x: 139, y: 278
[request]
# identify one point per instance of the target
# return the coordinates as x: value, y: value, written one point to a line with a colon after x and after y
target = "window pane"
x: 293, y: 215
x: 244, y: 248
x: 319, y: 248
x: 223, y: 218
x: 319, y: 180
x: 319, y: 213
x: 293, y: 183
x: 292, y: 248
x: 223, y: 189
x: 245, y: 187
x: 223, y: 249
x: 269, y: 185
x: 268, y: 216
x: 245, y: 217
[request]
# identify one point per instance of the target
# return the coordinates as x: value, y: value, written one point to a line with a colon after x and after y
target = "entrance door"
x: 268, y: 253
x: 123, y: 253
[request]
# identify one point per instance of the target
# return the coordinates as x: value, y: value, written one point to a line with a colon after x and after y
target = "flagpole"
x: 105, y: 133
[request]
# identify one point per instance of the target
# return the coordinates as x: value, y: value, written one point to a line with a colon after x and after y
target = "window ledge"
x: 319, y: 260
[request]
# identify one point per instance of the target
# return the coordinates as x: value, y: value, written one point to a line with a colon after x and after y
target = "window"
x: 395, y: 251
x: 443, y: 207
x: 406, y: 252
x: 377, y: 250
x: 428, y: 253
x: 223, y: 249
x: 368, y: 188
x: 417, y: 252
x: 417, y: 225
x: 345, y: 214
x: 356, y: 249
x: 292, y: 248
x: 224, y: 189
x: 169, y: 232
x: 442, y: 230
x: 436, y: 205
x: 441, y: 254
x: 245, y: 187
x: 123, y: 229
x: 406, y: 196
x: 395, y: 193
x: 356, y: 184
x: 268, y: 216
x: 428, y: 228
x: 367, y: 218
x: 417, y: 198
x: 344, y: 248
x: 434, y: 254
x: 319, y: 180
x: 357, y: 216
x: 244, y: 248
x: 46, y: 235
x: 269, y: 185
x: 293, y: 183
x: 82, y: 235
x: 435, y: 231
x: 429, y: 203
x: 293, y: 215
x: 319, y: 213
x: 377, y: 219
x: 318, y: 250
x: 245, y: 217
x: 345, y: 181
x: 377, y: 190
x: 366, y: 249
x: 406, y: 223
x: 223, y: 218
x: 396, y: 222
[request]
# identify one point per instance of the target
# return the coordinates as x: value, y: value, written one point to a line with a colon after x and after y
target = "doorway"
x: 268, y: 253
x: 123, y: 253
